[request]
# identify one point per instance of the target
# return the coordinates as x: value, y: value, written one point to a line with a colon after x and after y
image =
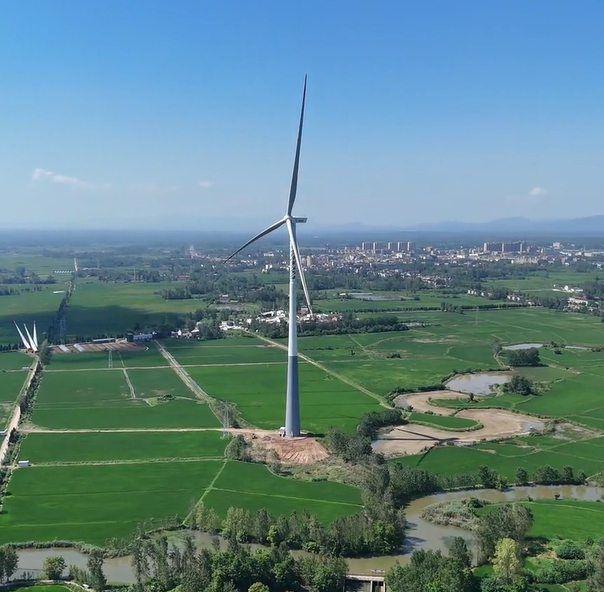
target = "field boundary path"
x: 13, y: 423
x: 184, y: 375
x: 341, y: 378
x: 129, y: 382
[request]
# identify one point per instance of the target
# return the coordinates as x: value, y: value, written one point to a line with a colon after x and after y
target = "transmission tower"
x: 225, y: 421
x: 110, y: 359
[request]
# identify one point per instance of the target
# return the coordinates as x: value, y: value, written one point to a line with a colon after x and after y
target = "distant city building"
x: 400, y: 246
x: 516, y: 247
x: 491, y: 247
x: 377, y: 246
x: 309, y: 261
x: 391, y: 246
x: 366, y: 246
x: 410, y: 247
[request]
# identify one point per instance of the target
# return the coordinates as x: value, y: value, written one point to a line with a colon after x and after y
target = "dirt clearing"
x: 414, y: 438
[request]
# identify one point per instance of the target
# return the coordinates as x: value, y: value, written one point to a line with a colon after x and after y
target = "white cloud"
x: 538, y: 191
x: 205, y: 184
x: 44, y: 175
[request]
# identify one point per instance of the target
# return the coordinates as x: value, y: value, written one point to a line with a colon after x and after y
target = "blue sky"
x: 146, y: 113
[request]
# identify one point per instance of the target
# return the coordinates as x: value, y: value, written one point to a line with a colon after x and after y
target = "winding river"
x: 421, y: 534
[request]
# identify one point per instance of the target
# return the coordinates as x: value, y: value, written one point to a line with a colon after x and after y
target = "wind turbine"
x: 292, y: 403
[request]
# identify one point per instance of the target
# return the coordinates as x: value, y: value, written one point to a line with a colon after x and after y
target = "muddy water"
x: 421, y: 534
x: 481, y: 383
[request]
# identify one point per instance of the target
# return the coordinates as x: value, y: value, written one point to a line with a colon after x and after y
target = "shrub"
x: 569, y: 550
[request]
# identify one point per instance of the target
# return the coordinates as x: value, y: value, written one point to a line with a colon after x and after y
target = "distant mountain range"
x: 519, y: 225
x: 240, y: 229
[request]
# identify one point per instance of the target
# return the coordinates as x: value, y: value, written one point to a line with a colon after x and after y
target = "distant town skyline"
x: 147, y: 114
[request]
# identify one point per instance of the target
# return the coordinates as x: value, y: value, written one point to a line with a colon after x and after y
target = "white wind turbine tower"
x: 292, y: 404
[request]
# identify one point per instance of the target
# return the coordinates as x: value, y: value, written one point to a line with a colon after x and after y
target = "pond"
x: 421, y: 534
x: 481, y: 383
x: 518, y: 346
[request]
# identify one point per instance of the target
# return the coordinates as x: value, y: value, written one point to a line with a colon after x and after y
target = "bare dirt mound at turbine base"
x: 304, y: 450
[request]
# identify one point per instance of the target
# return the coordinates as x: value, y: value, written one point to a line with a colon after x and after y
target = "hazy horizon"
x: 144, y: 114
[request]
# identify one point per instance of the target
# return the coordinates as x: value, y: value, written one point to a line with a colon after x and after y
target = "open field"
x: 157, y: 382
x: 568, y: 519
x: 91, y: 503
x: 455, y: 343
x: 259, y: 393
x: 10, y: 385
x: 391, y: 301
x: 94, y: 502
x: 505, y: 458
x: 445, y: 422
x: 92, y: 447
x: 15, y: 361
x: 97, y: 399
x: 141, y: 357
x: 27, y: 307
x: 233, y: 350
x: 98, y: 308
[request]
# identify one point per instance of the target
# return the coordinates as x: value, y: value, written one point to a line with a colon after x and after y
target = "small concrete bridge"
x: 364, y: 583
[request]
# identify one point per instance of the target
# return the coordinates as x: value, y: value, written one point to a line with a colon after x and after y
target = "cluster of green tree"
x: 544, y: 475
x: 551, y: 302
x: 160, y: 568
x: 27, y: 398
x: 511, y: 521
x: 371, y: 422
x: 519, y: 385
x: 9, y: 347
x: 149, y: 276
x: 8, y: 291
x: 21, y: 276
x: 211, y: 287
x: 548, y: 475
x: 431, y: 571
x: 93, y: 576
x: 593, y: 290
x: 374, y: 530
x: 345, y: 324
x: 524, y: 357
x: 9, y: 561
x: 54, y: 566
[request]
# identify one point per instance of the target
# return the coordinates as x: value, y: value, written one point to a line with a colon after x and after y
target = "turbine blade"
x: 294, y: 186
x: 294, y: 246
x: 25, y: 344
x: 35, y: 335
x: 30, y: 340
x: 258, y: 236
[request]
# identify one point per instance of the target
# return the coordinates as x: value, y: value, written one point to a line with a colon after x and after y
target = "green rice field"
x: 528, y: 453
x: 259, y: 393
x: 44, y: 448
x: 445, y: 422
x: 91, y: 503
x: 101, y: 399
